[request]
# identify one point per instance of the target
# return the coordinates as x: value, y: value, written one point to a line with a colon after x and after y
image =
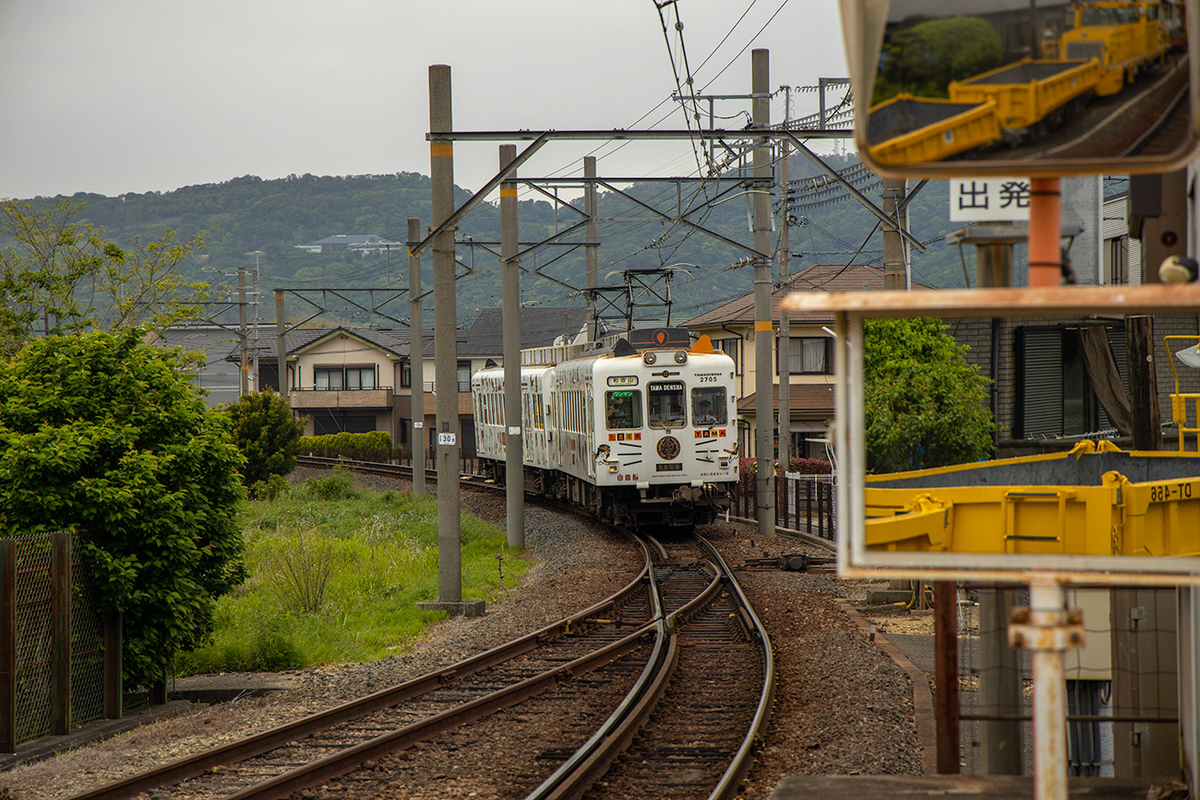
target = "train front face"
x: 666, y: 433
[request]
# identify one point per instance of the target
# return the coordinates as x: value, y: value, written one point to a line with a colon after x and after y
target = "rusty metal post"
x: 946, y: 706
x: 60, y: 637
x: 114, y: 665
x: 1047, y: 631
x: 8, y: 646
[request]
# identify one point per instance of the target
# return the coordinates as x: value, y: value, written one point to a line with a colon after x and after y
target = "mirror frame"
x: 864, y: 23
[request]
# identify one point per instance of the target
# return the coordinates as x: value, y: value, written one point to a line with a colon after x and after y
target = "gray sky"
x: 123, y: 96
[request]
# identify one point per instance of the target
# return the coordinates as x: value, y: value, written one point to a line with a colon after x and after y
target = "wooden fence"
x: 804, y: 503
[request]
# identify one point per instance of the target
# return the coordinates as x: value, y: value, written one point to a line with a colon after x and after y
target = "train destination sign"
x: 997, y: 87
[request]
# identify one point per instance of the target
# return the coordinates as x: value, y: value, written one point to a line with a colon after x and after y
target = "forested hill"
x: 249, y: 214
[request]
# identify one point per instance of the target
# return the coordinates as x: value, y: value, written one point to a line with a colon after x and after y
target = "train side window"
x: 623, y: 409
x: 709, y: 407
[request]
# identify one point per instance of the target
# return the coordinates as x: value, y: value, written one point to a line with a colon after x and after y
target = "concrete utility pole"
x: 785, y: 333
x: 591, y: 242
x: 514, y: 448
x: 441, y: 171
x: 416, y: 361
x: 763, y: 325
x: 255, y: 375
x: 244, y: 366
x: 281, y: 345
x: 894, y: 273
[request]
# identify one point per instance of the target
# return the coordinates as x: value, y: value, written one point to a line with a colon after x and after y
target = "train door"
x: 589, y: 425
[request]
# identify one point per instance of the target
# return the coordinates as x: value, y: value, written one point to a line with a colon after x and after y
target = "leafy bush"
x: 269, y: 488
x: 105, y: 436
x: 337, y: 485
x: 810, y: 466
x: 348, y: 445
x: 748, y: 467
x: 266, y: 433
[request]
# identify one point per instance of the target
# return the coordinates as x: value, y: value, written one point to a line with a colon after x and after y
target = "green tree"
x: 921, y: 60
x: 924, y: 404
x: 105, y: 436
x: 60, y: 275
x: 266, y: 433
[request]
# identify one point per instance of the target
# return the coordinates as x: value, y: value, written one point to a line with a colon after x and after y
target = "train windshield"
x: 708, y: 406
x: 665, y: 400
x: 623, y: 409
x: 1107, y: 16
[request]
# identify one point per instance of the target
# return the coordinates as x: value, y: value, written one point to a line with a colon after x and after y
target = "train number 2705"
x: 708, y: 377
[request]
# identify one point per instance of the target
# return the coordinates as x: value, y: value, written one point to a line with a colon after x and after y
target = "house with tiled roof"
x: 359, y: 379
x: 810, y: 353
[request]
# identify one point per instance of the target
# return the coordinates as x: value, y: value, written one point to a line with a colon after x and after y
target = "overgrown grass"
x: 335, y: 576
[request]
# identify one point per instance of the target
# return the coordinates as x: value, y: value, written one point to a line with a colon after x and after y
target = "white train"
x: 642, y: 432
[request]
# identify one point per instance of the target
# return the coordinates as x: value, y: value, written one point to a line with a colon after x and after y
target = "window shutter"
x: 1041, y: 390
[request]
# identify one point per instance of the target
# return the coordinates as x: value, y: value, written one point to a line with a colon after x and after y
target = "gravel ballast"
x: 842, y: 706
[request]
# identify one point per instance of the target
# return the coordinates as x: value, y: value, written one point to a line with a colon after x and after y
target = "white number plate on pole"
x: 446, y: 438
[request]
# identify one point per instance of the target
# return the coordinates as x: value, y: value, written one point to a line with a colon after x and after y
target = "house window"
x: 464, y: 376
x: 331, y: 378
x: 360, y: 377
x: 1054, y: 396
x: 808, y: 355
x: 406, y: 375
x: 1116, y: 260
x: 327, y: 378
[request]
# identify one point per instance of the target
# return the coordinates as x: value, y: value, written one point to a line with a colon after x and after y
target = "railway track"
x: 1140, y: 124
x: 675, y: 664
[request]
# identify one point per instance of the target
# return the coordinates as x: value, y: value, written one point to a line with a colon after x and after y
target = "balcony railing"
x: 322, y: 397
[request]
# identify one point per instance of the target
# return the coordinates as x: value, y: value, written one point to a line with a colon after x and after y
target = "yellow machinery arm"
x: 1116, y: 517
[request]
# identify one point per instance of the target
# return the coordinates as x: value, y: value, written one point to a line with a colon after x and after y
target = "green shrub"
x: 105, y: 437
x: 346, y: 444
x: 337, y: 485
x: 266, y: 433
x: 269, y: 488
x: 298, y: 569
x: 272, y: 648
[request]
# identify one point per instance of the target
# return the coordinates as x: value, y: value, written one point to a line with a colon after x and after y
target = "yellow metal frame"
x: 1120, y: 518
x: 1180, y: 400
x: 1116, y: 518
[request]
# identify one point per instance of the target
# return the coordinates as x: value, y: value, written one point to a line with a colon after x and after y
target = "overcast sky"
x: 138, y: 95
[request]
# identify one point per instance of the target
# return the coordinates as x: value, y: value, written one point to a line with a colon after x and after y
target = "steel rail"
x: 340, y: 763
x: 266, y: 741
x: 592, y: 759
x: 1162, y: 120
x: 740, y: 764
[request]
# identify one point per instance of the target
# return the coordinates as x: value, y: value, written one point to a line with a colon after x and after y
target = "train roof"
x: 623, y: 343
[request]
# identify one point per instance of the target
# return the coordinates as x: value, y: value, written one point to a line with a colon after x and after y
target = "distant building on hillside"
x: 364, y: 243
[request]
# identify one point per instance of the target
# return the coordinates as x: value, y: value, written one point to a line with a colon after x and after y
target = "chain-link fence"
x: 51, y: 656
x: 1121, y: 686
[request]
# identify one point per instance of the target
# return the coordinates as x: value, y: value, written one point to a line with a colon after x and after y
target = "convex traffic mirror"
x: 1022, y: 87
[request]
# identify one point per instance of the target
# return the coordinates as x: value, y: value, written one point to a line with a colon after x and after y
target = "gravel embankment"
x: 841, y: 705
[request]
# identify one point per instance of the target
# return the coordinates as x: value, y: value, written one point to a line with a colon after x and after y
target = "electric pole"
x: 785, y: 334
x: 514, y: 442
x: 763, y: 325
x: 416, y: 361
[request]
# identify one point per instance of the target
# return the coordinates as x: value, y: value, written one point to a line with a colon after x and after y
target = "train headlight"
x: 680, y: 356
x: 649, y: 357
